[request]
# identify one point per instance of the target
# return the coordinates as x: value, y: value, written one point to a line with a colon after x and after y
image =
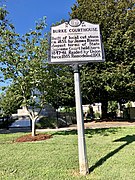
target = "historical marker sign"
x: 76, y: 42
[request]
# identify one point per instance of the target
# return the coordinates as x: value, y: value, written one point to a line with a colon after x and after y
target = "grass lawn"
x: 111, y: 156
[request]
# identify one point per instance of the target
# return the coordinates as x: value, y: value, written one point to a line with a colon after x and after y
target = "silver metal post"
x: 83, y: 162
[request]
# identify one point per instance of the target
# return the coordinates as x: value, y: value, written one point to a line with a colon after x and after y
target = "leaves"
x: 110, y: 80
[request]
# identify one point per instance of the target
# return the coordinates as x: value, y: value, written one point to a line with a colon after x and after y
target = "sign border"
x: 76, y: 62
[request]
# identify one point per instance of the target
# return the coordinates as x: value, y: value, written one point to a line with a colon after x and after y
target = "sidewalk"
x: 88, y: 125
x: 92, y: 125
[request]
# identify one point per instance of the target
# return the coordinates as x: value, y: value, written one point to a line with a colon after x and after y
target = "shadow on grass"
x: 128, y: 139
x: 90, y: 132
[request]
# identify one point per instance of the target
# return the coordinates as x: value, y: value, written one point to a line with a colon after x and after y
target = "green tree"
x: 23, y: 61
x: 113, y: 79
x: 62, y: 85
x: 10, y: 101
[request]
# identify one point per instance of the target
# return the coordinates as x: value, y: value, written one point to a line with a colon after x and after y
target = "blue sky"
x: 24, y: 13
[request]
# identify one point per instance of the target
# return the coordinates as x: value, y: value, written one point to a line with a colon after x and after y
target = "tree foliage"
x: 24, y: 61
x: 114, y: 79
x: 10, y: 101
x: 61, y: 91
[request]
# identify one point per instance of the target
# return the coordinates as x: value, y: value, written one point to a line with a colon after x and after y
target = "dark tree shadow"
x: 90, y: 132
x: 128, y: 139
x: 66, y: 132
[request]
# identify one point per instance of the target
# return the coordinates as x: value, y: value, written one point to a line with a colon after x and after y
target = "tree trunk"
x: 104, y: 108
x: 33, y: 127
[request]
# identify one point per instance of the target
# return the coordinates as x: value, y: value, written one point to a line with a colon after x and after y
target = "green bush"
x: 46, y: 122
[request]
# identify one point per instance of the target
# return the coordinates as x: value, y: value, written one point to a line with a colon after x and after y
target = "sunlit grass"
x: 110, y: 154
